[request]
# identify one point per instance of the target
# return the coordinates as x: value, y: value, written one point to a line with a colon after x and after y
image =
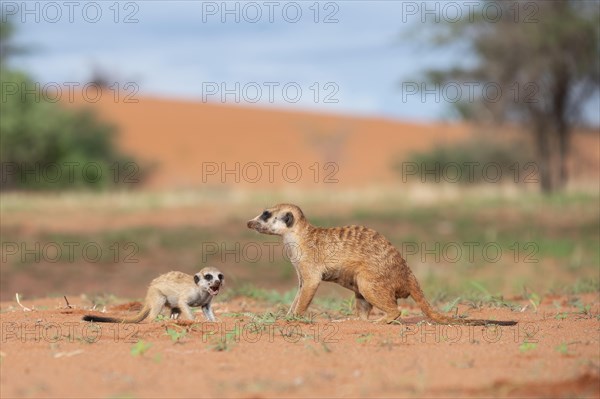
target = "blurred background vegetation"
x: 545, y: 54
x: 40, y: 135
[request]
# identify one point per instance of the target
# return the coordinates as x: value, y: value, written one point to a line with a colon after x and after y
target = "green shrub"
x: 47, y: 146
x: 481, y: 160
x: 44, y: 145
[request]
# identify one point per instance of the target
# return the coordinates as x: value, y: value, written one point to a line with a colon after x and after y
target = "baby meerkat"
x: 178, y: 292
x: 355, y: 257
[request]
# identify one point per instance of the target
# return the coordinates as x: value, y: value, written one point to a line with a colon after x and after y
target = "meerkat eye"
x: 208, y: 277
x: 265, y: 215
x: 220, y: 276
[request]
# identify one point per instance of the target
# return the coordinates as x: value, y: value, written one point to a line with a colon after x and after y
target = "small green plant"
x: 160, y: 318
x: 561, y: 316
x: 451, y: 305
x: 347, y: 307
x: 226, y: 342
x: 584, y: 309
x: 479, y: 287
x: 309, y: 318
x: 585, y: 285
x: 563, y: 348
x: 291, y: 332
x: 527, y: 346
x: 266, y: 318
x: 364, y: 338
x: 140, y: 348
x: 176, y: 336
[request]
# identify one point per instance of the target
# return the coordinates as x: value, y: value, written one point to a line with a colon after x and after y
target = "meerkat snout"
x: 275, y: 221
x: 210, y: 280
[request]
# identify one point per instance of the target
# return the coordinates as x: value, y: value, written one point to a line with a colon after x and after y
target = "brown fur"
x: 356, y: 257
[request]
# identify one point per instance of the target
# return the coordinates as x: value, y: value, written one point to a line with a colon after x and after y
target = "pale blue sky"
x: 179, y: 48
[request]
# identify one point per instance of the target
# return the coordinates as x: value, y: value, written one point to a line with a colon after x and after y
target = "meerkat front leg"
x: 175, y: 312
x: 295, y: 301
x: 305, y: 296
x: 294, y: 305
x: 208, y: 313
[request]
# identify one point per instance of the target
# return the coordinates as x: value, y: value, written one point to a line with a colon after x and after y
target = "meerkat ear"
x: 288, y: 219
x: 196, y: 278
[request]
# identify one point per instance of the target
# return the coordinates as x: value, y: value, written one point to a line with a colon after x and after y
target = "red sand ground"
x: 328, y: 358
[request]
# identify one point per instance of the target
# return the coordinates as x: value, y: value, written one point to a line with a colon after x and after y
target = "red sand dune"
x: 192, y: 143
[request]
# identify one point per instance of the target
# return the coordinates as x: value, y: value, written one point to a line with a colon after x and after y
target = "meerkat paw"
x: 388, y: 319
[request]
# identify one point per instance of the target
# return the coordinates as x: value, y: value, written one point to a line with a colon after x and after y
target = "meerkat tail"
x: 417, y: 294
x: 106, y: 319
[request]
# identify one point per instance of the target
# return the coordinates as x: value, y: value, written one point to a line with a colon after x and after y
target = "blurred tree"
x: 7, y: 48
x: 544, y: 57
x: 44, y: 145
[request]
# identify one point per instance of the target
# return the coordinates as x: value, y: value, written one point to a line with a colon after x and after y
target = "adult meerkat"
x: 178, y: 292
x: 356, y: 257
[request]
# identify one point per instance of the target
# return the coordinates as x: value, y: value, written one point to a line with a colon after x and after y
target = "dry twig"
x: 25, y: 308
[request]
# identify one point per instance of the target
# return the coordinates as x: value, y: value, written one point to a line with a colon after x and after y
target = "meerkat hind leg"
x: 156, y: 306
x: 363, y: 307
x: 186, y: 312
x: 385, y: 301
x: 391, y: 314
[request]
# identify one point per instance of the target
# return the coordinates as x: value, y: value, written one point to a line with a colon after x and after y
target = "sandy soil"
x: 49, y: 352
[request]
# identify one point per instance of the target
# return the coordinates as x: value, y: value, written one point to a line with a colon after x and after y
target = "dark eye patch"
x: 220, y: 276
x: 265, y: 215
x: 208, y: 277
